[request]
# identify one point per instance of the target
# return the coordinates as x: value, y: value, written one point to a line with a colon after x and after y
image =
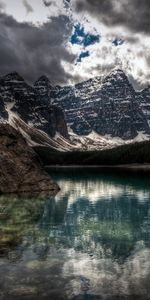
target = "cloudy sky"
x: 73, y: 40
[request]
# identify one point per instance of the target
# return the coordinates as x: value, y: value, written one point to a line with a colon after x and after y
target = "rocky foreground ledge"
x: 20, y: 169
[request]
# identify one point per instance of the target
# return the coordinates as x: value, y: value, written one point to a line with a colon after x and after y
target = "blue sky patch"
x: 117, y: 42
x: 80, y: 37
x: 83, y: 55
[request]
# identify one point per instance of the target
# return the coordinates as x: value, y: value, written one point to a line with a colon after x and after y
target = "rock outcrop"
x: 20, y: 170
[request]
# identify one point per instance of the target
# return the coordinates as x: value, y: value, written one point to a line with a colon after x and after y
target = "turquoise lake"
x: 89, y: 242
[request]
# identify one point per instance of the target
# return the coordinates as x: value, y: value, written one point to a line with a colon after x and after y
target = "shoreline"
x: 127, y: 166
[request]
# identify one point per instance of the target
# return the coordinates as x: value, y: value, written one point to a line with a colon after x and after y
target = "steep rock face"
x: 20, y: 169
x: 19, y: 97
x: 3, y: 112
x: 143, y: 99
x: 106, y: 105
x: 119, y: 113
x: 44, y: 87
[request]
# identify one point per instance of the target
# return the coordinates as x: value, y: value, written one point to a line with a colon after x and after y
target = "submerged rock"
x: 20, y: 170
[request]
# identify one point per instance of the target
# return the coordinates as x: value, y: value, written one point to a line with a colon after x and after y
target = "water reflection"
x: 90, y: 241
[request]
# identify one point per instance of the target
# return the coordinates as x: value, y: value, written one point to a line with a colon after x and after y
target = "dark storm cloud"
x: 133, y: 14
x: 33, y: 51
x: 48, y: 3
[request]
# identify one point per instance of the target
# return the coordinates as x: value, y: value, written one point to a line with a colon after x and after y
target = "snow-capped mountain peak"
x: 43, y: 80
x: 117, y: 76
x: 44, y: 87
x: 12, y: 77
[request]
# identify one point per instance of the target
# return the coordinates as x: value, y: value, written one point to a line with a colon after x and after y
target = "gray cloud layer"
x: 33, y: 51
x: 2, y: 5
x: 36, y: 50
x: 27, y: 6
x: 133, y: 14
x: 48, y: 3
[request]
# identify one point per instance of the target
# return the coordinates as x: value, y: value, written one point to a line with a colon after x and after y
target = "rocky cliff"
x: 20, y: 169
x: 107, y: 105
x: 143, y: 99
x: 19, y: 97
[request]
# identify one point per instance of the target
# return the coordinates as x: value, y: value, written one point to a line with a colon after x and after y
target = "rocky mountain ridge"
x: 107, y: 105
x: 22, y: 99
x: 99, y: 113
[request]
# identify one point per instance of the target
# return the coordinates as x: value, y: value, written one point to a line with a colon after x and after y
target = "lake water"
x: 89, y: 242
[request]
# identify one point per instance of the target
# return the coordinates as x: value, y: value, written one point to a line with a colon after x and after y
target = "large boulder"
x: 20, y: 168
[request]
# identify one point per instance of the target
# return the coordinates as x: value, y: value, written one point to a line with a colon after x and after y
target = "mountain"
x: 44, y: 87
x: 100, y: 113
x: 28, y: 110
x: 37, y: 138
x: 105, y: 105
x: 22, y: 99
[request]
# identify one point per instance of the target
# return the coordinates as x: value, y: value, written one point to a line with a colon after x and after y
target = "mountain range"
x: 99, y: 113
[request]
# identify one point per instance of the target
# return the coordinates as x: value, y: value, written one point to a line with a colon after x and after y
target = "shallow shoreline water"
x: 89, y: 242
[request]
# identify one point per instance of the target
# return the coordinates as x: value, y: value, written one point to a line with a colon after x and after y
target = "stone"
x: 21, y: 170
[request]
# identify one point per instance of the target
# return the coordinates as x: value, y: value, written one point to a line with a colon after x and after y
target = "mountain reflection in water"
x: 89, y: 242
